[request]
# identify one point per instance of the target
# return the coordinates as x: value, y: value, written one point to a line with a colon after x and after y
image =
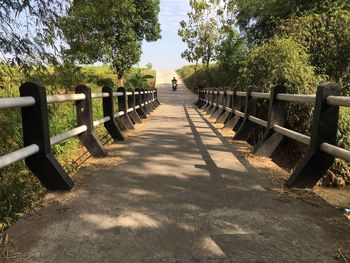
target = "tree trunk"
x: 208, y: 58
x: 207, y: 64
x: 120, y: 78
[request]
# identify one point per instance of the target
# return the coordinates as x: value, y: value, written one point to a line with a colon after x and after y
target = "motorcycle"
x: 174, y: 86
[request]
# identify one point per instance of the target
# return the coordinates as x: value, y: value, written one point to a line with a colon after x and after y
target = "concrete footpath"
x: 178, y: 191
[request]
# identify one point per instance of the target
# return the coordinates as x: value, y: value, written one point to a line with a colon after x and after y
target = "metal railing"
x: 227, y: 107
x: 132, y: 107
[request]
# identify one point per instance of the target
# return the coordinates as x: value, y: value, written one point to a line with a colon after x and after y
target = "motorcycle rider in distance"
x: 174, y: 84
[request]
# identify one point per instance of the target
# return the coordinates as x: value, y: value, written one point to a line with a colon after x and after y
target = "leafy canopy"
x: 258, y: 19
x: 110, y: 31
x: 28, y: 30
x: 201, y: 32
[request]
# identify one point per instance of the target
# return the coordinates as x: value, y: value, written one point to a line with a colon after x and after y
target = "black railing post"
x: 215, y: 102
x: 123, y: 106
x: 156, y: 96
x: 276, y: 116
x: 199, y: 100
x: 138, y: 102
x: 214, y: 105
x: 206, y: 99
x: 135, y: 118
x: 210, y: 100
x: 236, y: 104
x: 250, y: 110
x: 154, y: 101
x: 85, y: 117
x: 108, y: 111
x: 36, y: 131
x: 144, y: 100
x: 197, y: 103
x: 219, y: 102
x: 315, y: 163
x: 150, y: 102
x: 225, y: 114
x: 203, y: 97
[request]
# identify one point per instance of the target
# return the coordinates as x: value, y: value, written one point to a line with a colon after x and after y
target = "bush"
x: 342, y: 168
x: 105, y: 82
x: 68, y: 75
x: 283, y: 61
x: 195, y: 77
x: 326, y: 38
x: 140, y: 78
x: 19, y: 189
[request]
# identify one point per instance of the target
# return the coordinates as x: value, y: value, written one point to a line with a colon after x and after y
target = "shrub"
x: 197, y: 76
x: 105, y: 82
x: 326, y: 37
x: 139, y: 79
x: 283, y: 61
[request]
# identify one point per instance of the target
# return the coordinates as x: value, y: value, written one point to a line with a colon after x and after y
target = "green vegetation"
x: 201, y: 33
x: 296, y: 43
x: 20, y: 46
x: 139, y: 79
x: 111, y: 32
x: 45, y: 41
x: 19, y: 189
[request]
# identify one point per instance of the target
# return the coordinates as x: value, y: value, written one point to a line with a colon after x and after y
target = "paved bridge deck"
x: 177, y: 192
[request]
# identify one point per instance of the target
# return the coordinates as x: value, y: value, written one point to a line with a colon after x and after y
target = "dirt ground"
x: 179, y: 191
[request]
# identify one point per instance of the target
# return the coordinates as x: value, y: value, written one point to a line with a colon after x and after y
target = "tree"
x: 231, y: 52
x: 326, y: 37
x: 28, y: 31
x: 110, y: 31
x: 258, y: 19
x: 283, y: 61
x: 201, y: 32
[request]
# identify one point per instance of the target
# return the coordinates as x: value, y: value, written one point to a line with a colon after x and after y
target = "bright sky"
x: 165, y: 54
